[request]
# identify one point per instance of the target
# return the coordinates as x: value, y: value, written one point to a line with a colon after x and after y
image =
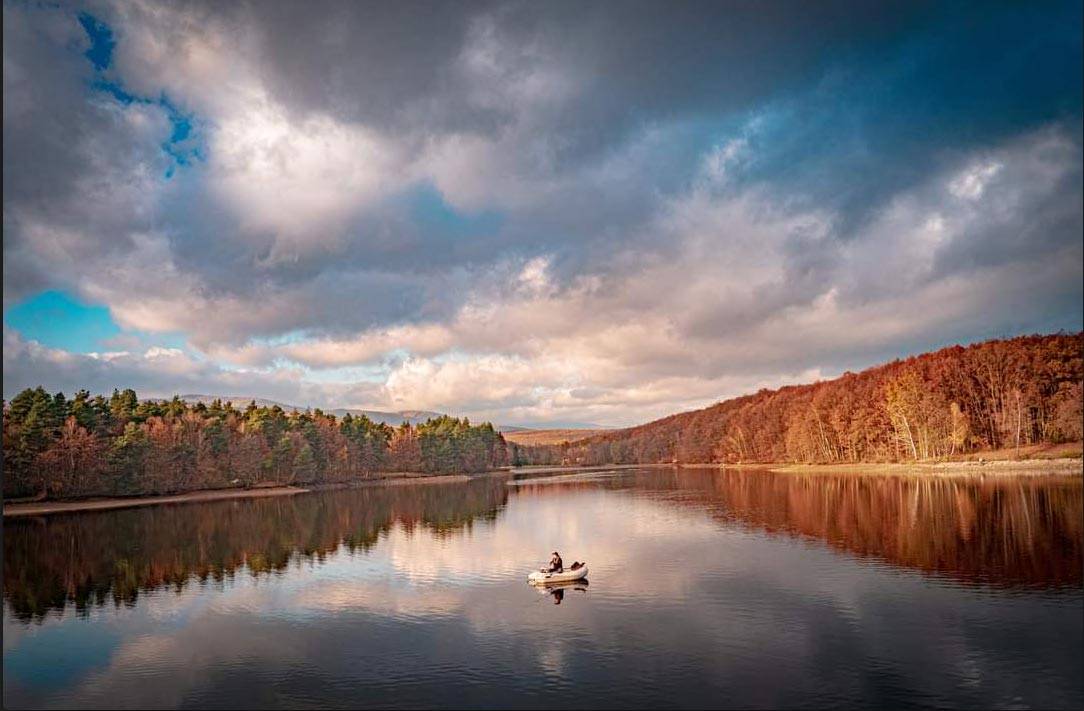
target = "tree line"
x: 86, y: 446
x: 992, y: 395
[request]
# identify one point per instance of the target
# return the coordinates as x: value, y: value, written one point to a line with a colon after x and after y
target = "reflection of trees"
x: 1024, y: 531
x: 1008, y: 531
x: 88, y: 558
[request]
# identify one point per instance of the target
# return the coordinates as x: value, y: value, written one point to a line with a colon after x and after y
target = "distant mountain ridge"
x: 389, y: 418
x: 394, y: 418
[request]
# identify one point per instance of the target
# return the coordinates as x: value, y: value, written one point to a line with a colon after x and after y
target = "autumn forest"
x: 988, y: 396
x: 88, y: 446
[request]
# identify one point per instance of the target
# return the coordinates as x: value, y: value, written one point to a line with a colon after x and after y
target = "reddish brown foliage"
x: 990, y: 395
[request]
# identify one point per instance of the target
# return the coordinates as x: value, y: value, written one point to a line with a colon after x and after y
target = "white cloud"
x: 300, y: 181
x: 970, y: 184
x: 724, y: 311
x: 721, y: 159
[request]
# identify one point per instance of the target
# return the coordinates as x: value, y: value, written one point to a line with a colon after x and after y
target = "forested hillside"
x: 991, y: 395
x: 55, y: 446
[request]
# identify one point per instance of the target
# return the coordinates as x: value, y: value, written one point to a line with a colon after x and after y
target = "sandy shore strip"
x: 50, y: 507
x: 41, y: 508
x: 1062, y: 466
x: 1000, y: 468
x: 576, y: 468
x: 401, y: 479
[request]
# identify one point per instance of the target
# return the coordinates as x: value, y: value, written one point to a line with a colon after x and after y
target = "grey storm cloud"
x: 70, y: 163
x: 630, y: 202
x: 395, y: 67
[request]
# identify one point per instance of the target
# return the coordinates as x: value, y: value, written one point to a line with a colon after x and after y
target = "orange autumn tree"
x: 991, y: 395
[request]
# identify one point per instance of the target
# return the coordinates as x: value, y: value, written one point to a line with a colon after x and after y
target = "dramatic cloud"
x: 535, y: 212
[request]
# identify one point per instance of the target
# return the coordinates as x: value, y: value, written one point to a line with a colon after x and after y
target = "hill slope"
x: 529, y: 437
x: 991, y: 395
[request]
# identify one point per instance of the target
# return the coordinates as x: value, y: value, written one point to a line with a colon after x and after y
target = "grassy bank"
x: 1001, y: 467
x: 1037, y: 459
x: 41, y: 508
x: 535, y: 438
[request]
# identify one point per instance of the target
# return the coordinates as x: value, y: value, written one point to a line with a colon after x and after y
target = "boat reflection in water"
x: 557, y: 590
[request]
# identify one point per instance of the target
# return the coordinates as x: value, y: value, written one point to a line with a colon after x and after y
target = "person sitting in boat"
x: 556, y: 564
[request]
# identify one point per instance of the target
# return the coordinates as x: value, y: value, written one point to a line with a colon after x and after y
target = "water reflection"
x: 89, y: 558
x: 557, y: 590
x: 1006, y: 531
x: 708, y: 589
x: 997, y: 531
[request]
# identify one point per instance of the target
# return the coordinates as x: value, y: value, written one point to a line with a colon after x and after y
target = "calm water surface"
x: 706, y: 589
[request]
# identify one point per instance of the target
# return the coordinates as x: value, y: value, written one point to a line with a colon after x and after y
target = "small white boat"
x: 541, y: 578
x: 551, y: 588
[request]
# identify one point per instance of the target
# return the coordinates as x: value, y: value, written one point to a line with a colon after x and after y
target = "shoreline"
x: 399, y: 479
x: 555, y: 468
x: 1060, y: 466
x: 1055, y: 466
x: 44, y: 508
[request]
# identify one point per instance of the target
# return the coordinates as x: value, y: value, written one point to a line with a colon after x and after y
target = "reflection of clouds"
x: 108, y: 645
x: 584, y: 525
x: 552, y: 659
x: 481, y: 554
x: 379, y: 599
x: 143, y: 650
x: 675, y: 597
x: 13, y: 631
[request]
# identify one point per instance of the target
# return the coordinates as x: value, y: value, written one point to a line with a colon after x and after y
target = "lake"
x: 706, y: 589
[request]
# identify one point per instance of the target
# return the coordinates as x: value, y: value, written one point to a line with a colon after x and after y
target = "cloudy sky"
x: 530, y: 212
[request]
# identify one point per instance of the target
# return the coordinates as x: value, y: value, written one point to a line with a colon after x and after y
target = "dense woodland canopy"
x: 991, y: 395
x: 83, y: 446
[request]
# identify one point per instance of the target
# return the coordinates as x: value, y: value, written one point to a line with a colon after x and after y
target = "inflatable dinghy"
x: 540, y: 578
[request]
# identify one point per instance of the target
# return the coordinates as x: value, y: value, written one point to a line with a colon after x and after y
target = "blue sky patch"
x: 102, y: 43
x: 116, y: 91
x: 182, y: 146
x: 429, y: 211
x: 57, y: 320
